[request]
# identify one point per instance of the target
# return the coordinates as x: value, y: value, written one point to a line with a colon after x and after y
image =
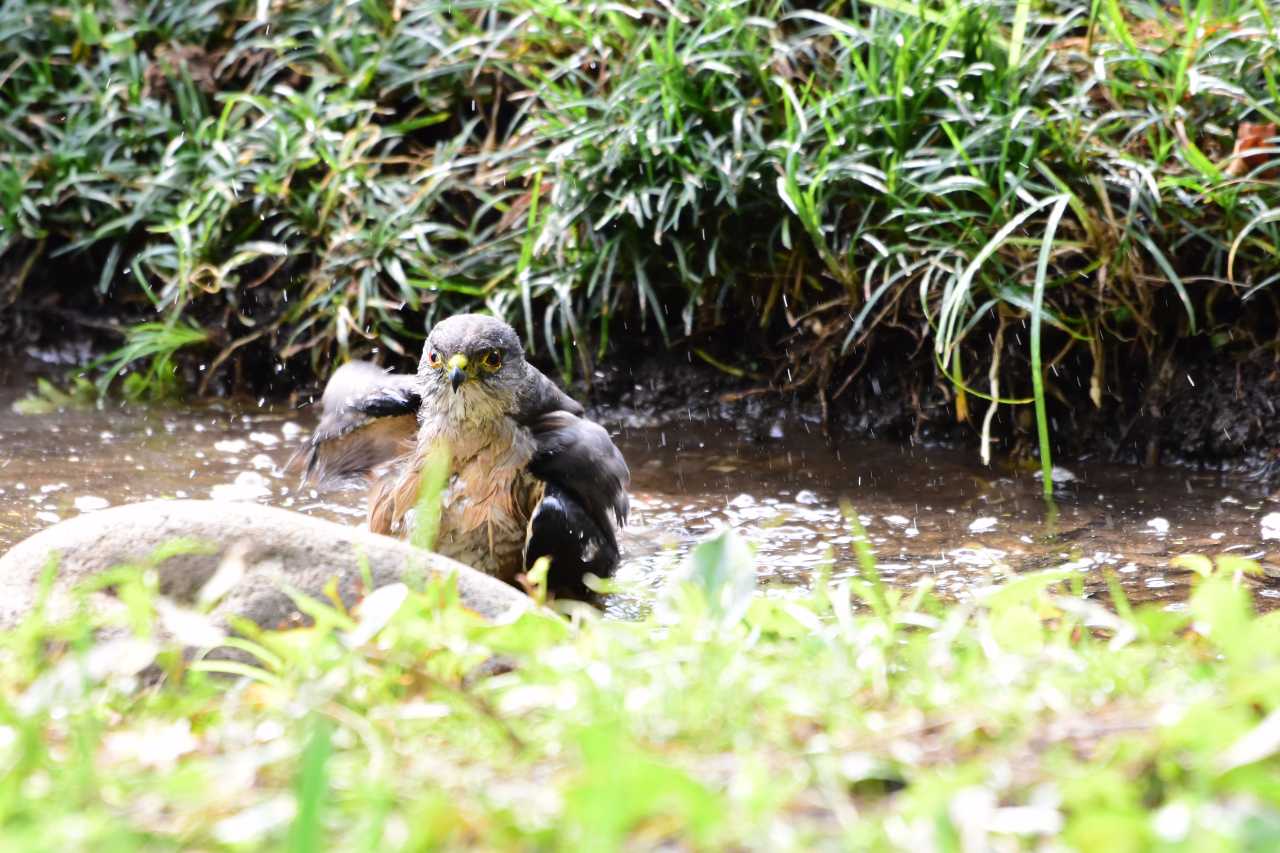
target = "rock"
x: 90, y: 503
x: 1058, y: 475
x: 256, y: 551
x: 248, y: 486
x: 983, y: 525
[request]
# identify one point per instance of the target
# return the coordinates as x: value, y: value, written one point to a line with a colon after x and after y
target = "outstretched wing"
x: 586, y: 480
x: 368, y: 417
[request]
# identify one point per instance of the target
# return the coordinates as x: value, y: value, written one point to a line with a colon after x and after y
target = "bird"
x: 528, y: 475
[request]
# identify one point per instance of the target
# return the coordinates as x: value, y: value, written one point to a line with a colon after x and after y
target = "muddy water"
x: 929, y: 513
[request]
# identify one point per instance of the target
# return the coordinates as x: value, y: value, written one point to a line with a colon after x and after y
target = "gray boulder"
x: 256, y: 552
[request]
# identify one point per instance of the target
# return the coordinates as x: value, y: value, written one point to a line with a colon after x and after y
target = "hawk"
x: 528, y: 476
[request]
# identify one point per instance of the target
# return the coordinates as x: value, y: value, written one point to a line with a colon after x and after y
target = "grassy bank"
x: 251, y: 189
x: 857, y: 717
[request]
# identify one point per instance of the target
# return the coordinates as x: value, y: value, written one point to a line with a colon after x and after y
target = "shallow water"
x: 929, y: 513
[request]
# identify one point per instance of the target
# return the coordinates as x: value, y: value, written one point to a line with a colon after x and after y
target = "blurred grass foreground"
x: 855, y: 717
x: 228, y: 192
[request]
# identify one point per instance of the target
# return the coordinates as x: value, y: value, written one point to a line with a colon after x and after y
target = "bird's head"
x: 472, y: 359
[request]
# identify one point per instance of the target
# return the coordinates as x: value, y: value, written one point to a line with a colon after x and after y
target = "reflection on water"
x: 929, y: 513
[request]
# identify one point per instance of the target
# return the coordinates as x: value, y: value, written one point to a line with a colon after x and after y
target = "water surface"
x: 930, y: 514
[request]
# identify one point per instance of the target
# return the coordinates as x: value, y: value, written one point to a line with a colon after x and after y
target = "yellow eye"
x: 433, y: 358
x: 492, y: 360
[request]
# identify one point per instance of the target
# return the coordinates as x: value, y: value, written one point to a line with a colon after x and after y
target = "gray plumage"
x: 369, y: 416
x: 529, y: 476
x: 580, y: 456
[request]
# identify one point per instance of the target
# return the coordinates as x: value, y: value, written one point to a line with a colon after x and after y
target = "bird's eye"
x: 433, y: 358
x: 492, y: 360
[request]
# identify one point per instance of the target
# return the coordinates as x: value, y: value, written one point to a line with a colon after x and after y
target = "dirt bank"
x: 1192, y: 406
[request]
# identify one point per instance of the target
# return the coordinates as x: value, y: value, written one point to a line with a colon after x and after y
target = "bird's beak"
x: 457, y: 370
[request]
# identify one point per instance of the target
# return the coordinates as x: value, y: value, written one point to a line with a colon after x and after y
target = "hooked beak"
x: 457, y: 371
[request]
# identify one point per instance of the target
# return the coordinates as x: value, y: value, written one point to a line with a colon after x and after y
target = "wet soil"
x: 934, y: 515
x: 1208, y: 401
x: 1195, y: 407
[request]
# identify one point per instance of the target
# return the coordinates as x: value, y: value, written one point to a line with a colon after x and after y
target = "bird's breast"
x: 489, y: 495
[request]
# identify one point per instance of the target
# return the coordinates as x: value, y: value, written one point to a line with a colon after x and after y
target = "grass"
x: 855, y: 717
x: 253, y: 189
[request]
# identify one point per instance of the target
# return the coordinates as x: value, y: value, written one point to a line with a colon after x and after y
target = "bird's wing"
x: 586, y: 493
x: 539, y: 396
x: 563, y: 531
x: 578, y: 456
x: 368, y: 417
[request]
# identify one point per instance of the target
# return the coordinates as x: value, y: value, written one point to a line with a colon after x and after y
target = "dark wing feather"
x: 578, y: 457
x: 368, y: 417
x: 562, y: 530
x: 586, y: 480
x: 539, y: 396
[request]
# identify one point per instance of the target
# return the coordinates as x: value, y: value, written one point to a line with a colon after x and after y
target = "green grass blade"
x: 1037, y: 370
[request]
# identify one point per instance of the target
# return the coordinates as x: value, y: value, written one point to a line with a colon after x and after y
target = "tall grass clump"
x: 311, y: 179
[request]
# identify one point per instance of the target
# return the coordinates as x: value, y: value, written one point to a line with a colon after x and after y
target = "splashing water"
x: 930, y: 515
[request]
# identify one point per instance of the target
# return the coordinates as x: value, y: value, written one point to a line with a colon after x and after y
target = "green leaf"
x: 1018, y: 629
x: 1197, y: 563
x: 311, y: 790
x: 1222, y: 611
x: 722, y: 570
x: 87, y: 26
x: 620, y: 787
